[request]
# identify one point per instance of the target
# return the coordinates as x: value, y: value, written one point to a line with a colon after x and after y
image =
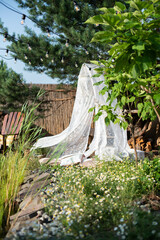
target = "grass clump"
x: 102, y: 199
x: 15, y: 162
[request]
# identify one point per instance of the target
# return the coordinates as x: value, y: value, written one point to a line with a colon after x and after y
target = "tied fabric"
x: 108, y: 142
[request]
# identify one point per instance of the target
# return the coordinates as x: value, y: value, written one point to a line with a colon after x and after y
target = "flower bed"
x: 103, y: 199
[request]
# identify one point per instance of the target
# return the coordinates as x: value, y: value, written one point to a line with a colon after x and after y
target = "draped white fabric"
x: 108, y: 141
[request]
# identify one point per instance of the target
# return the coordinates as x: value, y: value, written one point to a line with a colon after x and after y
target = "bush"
x: 152, y: 168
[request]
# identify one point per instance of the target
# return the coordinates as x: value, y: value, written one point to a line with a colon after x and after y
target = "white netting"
x: 109, y: 141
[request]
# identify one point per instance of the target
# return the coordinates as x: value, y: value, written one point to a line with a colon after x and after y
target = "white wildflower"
x: 153, y: 231
x: 154, y: 223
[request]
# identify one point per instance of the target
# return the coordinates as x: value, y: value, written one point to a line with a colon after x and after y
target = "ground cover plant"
x: 15, y: 163
x: 103, y: 202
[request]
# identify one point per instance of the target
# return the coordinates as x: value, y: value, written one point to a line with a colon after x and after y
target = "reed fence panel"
x: 57, y: 105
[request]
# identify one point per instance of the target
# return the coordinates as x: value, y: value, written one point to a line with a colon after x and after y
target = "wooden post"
x: 4, y: 144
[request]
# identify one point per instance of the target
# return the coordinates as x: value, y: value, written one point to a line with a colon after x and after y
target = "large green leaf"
x: 134, y: 5
x: 107, y: 121
x: 95, y: 62
x: 132, y: 99
x: 113, y: 48
x: 140, y: 107
x: 103, y: 36
x: 135, y: 70
x: 144, y: 5
x: 154, y: 40
x: 124, y: 125
x: 121, y: 62
x: 117, y: 47
x: 111, y: 19
x: 156, y: 98
x: 107, y: 10
x: 139, y: 46
x: 124, y: 100
x: 120, y: 5
x: 147, y: 59
x: 131, y: 24
x: 95, y: 20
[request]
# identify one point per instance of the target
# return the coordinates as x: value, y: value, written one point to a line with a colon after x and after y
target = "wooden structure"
x: 11, y: 126
x: 57, y: 106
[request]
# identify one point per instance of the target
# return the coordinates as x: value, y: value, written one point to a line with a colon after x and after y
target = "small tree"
x: 132, y: 71
x: 13, y: 91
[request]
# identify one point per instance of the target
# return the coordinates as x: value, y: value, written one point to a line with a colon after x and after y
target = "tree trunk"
x: 134, y: 144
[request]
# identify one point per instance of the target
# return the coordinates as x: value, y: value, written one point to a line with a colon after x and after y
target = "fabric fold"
x: 108, y: 141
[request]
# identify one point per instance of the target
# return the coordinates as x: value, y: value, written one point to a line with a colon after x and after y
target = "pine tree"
x: 68, y: 47
x: 13, y: 91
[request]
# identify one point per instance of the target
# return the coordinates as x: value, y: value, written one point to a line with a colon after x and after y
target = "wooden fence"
x: 58, y: 106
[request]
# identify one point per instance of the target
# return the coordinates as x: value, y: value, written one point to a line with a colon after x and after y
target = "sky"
x: 12, y: 21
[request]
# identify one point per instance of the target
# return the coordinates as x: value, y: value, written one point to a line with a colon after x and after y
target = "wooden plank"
x: 11, y: 129
x: 19, y: 123
x: 4, y: 124
x: 8, y: 123
x: 16, y: 122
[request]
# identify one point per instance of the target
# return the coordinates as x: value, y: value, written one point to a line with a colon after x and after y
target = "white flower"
x: 115, y: 229
x: 153, y: 231
x: 134, y: 222
x: 121, y: 220
x: 81, y: 234
x: 86, y: 226
x: 70, y: 223
x: 102, y: 199
x: 131, y: 213
x: 154, y: 223
x: 121, y: 228
x: 76, y: 205
x: 118, y: 233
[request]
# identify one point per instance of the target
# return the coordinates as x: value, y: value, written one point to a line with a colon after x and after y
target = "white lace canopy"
x: 108, y: 141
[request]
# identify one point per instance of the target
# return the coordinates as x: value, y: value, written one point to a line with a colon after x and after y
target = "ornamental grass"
x: 15, y: 163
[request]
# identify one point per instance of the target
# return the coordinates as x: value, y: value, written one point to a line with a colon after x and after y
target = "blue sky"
x: 12, y: 21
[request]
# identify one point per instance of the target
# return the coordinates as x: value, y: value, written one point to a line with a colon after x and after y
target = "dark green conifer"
x: 68, y: 47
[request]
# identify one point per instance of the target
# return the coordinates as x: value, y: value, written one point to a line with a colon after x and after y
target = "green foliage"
x: 64, y: 24
x: 14, y: 163
x: 143, y: 225
x: 88, y: 201
x: 13, y: 90
x: 132, y: 71
x: 152, y: 168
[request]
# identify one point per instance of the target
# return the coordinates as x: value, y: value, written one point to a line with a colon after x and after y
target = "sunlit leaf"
x: 139, y: 46
x: 120, y: 5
